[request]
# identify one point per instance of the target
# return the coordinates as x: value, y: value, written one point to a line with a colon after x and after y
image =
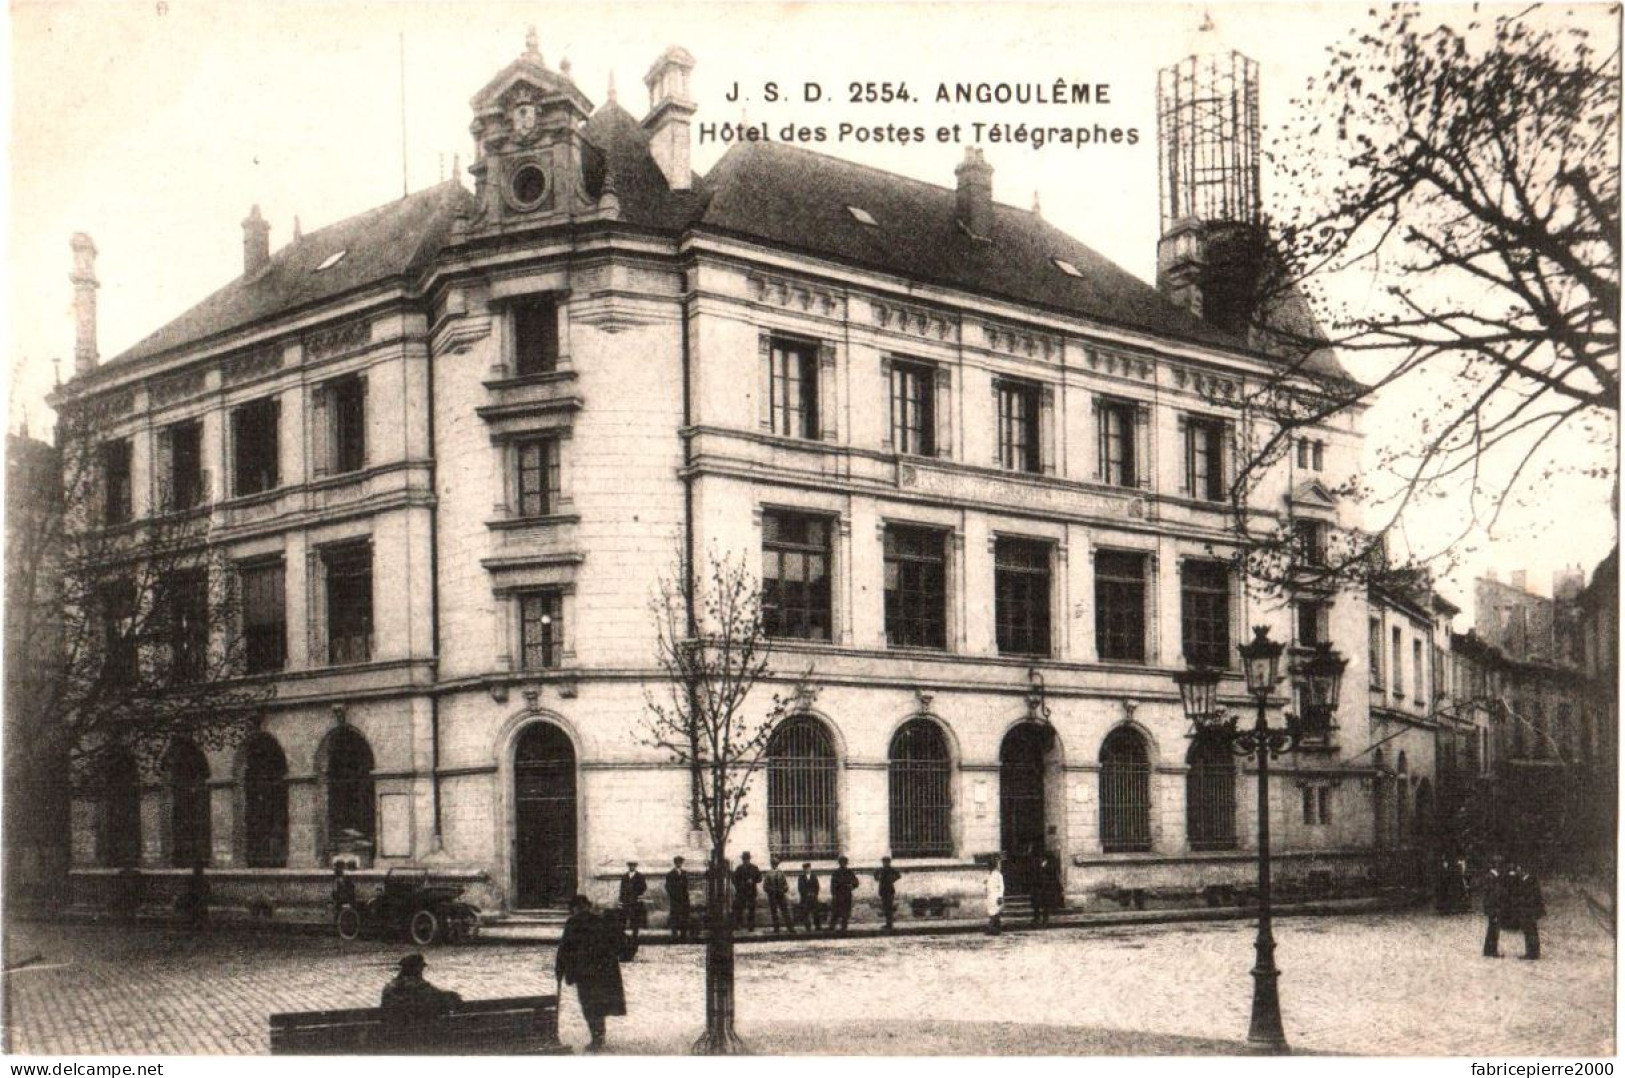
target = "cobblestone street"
x: 1391, y: 984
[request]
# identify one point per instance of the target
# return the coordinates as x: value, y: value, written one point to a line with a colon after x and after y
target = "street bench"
x: 522, y: 1025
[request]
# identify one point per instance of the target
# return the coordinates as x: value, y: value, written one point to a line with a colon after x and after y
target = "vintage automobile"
x: 409, y: 905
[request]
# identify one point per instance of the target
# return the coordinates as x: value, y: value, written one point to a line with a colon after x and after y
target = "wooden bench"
x: 523, y: 1025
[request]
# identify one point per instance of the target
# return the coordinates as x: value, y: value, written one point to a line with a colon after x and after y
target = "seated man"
x: 411, y: 998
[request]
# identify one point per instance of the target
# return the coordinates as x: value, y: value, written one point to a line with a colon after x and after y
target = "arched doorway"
x: 544, y: 794
x: 1023, y: 820
x: 188, y: 774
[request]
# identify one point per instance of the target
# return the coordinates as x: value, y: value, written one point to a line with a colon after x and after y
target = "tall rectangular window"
x: 349, y: 602
x: 1120, y: 606
x: 535, y: 337
x: 1018, y: 426
x: 913, y: 408
x: 1117, y: 441
x: 1314, y: 617
x: 1303, y: 453
x: 119, y: 654
x: 1317, y: 456
x: 916, y: 587
x: 1397, y: 657
x: 346, y: 420
x: 792, y: 388
x: 183, y: 608
x: 1375, y: 656
x: 1204, y: 594
x: 795, y: 575
x: 1021, y: 596
x: 1309, y: 542
x: 541, y: 630
x: 537, y: 471
x: 1419, y: 673
x: 180, y: 450
x: 254, y: 447
x: 115, y: 468
x: 1204, y: 458
x: 264, y: 614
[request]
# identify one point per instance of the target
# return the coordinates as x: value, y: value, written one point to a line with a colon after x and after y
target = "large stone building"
x: 983, y: 473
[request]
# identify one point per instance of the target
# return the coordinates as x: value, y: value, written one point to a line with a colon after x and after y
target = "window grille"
x: 913, y: 408
x: 795, y: 575
x: 1125, y: 793
x: 920, y: 791
x: 541, y: 630
x: 349, y: 603
x: 538, y: 476
x: 916, y: 567
x: 188, y: 774
x: 1120, y: 606
x: 1117, y: 437
x: 535, y: 337
x: 1018, y: 426
x: 1204, y: 440
x: 801, y: 816
x: 1205, y: 613
x: 792, y: 389
x: 1021, y: 596
x: 1210, y: 796
x: 265, y: 628
x: 349, y: 786
x: 121, y: 812
x: 265, y: 805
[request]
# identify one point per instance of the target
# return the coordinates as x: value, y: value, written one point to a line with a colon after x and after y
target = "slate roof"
x: 646, y: 198
x: 393, y: 240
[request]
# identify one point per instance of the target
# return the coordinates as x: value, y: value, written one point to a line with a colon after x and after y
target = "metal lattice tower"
x: 1207, y: 139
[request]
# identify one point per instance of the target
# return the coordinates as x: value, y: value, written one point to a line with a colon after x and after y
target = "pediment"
x: 527, y: 78
x: 1313, y: 493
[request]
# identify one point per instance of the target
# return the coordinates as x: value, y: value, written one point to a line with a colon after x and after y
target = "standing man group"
x: 1512, y: 900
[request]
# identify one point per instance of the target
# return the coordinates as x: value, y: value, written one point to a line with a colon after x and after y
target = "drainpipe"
x: 434, y: 610
x: 694, y: 786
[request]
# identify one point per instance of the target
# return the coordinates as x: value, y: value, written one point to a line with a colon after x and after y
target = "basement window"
x: 331, y: 260
x: 1066, y: 267
x: 863, y: 216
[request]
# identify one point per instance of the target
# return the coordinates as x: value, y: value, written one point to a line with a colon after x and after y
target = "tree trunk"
x: 719, y: 1038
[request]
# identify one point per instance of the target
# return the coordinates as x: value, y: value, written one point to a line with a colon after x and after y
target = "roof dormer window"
x: 1066, y: 267
x: 863, y: 216
x: 331, y: 260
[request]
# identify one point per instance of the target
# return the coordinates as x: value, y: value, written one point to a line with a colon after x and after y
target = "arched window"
x: 349, y: 788
x: 265, y: 804
x: 188, y: 778
x: 801, y: 791
x: 1210, y: 795
x: 120, y: 844
x: 1125, y: 792
x: 920, y: 798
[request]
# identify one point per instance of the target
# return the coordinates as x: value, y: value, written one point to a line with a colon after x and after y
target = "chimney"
x: 256, y: 242
x: 1520, y: 579
x: 670, y: 110
x: 84, y: 303
x: 975, y: 178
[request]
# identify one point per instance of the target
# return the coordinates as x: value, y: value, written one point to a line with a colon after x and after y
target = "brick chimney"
x: 84, y: 303
x: 670, y: 110
x: 256, y: 242
x: 975, y: 208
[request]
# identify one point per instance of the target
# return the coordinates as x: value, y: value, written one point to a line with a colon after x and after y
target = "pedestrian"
x: 886, y: 878
x: 343, y: 888
x: 633, y: 913
x: 777, y: 886
x: 807, y: 888
x: 1531, y: 907
x: 678, y: 901
x: 410, y: 998
x: 193, y: 905
x: 1496, y: 908
x: 746, y: 877
x: 1048, y: 894
x: 994, y: 888
x: 589, y: 958
x: 841, y: 885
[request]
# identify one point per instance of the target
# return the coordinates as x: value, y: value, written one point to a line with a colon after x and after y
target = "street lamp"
x: 1198, y: 692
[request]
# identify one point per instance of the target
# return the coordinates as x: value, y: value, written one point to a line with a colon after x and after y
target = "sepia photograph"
x: 952, y: 529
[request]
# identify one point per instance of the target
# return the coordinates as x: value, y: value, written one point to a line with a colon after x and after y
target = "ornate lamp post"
x: 1198, y: 692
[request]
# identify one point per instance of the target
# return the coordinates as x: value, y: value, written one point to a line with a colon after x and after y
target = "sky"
x: 154, y: 126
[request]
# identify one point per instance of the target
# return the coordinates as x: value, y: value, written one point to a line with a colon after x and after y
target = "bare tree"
x: 1452, y: 213
x: 131, y: 626
x: 715, y: 653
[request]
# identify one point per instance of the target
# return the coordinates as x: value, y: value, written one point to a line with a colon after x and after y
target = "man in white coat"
x: 995, y: 896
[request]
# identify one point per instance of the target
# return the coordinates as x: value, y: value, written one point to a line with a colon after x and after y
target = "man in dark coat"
x: 746, y: 877
x: 677, y: 898
x: 886, y: 878
x: 807, y: 887
x: 1497, y: 910
x: 1530, y: 905
x: 633, y: 913
x: 841, y: 885
x: 777, y: 886
x: 409, y: 998
x: 589, y: 958
x: 1047, y: 888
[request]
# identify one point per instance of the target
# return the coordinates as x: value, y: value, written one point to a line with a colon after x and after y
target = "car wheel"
x: 349, y: 923
x: 425, y: 928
